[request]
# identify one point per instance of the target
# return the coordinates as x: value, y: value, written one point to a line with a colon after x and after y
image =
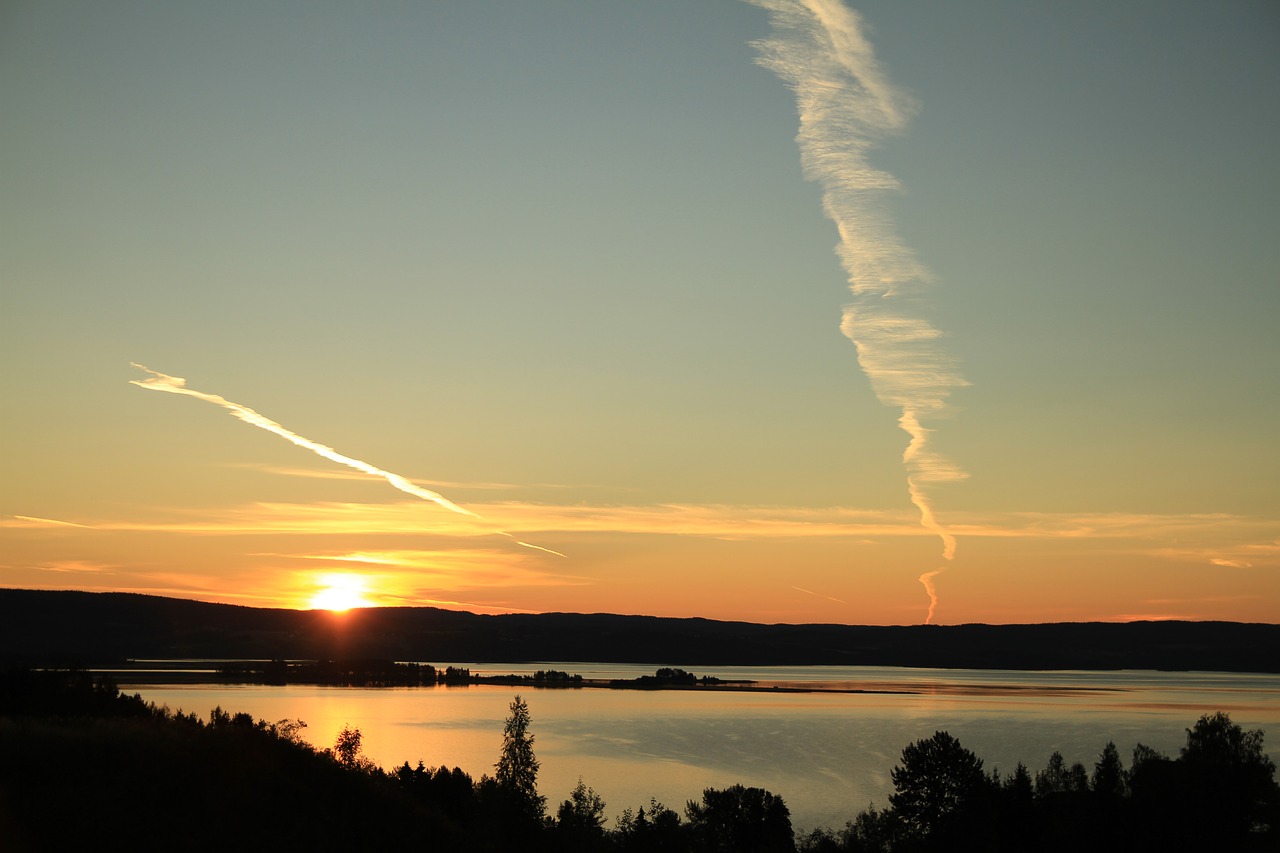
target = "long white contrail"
x: 846, y: 106
x: 177, y: 385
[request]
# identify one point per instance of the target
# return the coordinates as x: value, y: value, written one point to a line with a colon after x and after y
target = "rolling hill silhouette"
x: 42, y: 628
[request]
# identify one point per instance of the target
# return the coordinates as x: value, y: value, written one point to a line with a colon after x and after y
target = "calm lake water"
x: 828, y: 754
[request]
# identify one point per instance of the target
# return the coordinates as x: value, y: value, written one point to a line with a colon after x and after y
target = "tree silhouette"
x: 580, y: 820
x: 938, y: 786
x: 1054, y: 778
x: 517, y: 767
x: 1215, y: 741
x: 1230, y: 780
x: 738, y: 820
x: 1108, y: 774
x: 660, y: 830
x: 346, y: 749
x: 347, y: 746
x: 872, y: 831
x: 1015, y: 803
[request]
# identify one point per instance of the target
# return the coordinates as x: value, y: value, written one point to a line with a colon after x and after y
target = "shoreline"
x: 194, y: 680
x: 236, y: 674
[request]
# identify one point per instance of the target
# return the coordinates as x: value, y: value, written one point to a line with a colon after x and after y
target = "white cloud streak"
x: 846, y: 105
x: 177, y: 385
x: 35, y: 522
x: 308, y: 473
x: 819, y: 595
x: 1189, y: 538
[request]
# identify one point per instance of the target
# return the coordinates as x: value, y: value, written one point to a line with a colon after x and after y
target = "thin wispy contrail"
x: 177, y: 385
x: 846, y: 106
x: 818, y: 594
x: 41, y: 522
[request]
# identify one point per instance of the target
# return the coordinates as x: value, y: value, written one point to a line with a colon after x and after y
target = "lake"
x: 828, y: 754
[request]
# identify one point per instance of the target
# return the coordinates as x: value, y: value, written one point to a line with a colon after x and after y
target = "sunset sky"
x: 566, y: 266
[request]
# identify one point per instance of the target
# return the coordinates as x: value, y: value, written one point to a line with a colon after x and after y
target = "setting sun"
x: 340, y: 592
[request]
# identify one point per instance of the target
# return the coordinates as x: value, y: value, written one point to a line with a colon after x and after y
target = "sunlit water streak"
x: 828, y: 754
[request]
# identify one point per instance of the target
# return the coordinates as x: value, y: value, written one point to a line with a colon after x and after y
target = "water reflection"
x: 827, y: 753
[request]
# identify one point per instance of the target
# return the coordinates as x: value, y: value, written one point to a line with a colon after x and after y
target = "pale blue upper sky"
x: 569, y: 243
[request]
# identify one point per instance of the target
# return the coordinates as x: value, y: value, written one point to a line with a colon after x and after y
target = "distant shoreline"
x: 192, y: 680
x: 40, y: 628
x: 189, y: 673
x: 254, y: 672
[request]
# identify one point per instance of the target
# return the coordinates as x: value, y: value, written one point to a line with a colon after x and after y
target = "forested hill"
x: 79, y: 628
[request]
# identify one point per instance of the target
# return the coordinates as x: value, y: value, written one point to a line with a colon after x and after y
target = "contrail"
x: 846, y: 106
x: 819, y: 595
x: 177, y: 385
x: 927, y: 580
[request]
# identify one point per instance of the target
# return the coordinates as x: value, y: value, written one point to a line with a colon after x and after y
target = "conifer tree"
x: 517, y: 767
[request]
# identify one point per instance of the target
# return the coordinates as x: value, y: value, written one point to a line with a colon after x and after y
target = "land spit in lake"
x: 374, y: 674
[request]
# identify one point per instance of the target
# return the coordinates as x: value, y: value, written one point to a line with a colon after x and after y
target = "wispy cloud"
x: 1112, y: 525
x: 1185, y: 609
x: 441, y: 570
x: 425, y: 598
x: 31, y: 521
x: 405, y: 518
x: 177, y: 385
x: 313, y: 474
x: 1198, y: 537
x: 264, y: 553
x: 77, y: 567
x: 847, y: 106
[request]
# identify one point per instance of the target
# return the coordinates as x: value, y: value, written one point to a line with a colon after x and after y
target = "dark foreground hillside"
x: 87, y: 769
x: 40, y: 627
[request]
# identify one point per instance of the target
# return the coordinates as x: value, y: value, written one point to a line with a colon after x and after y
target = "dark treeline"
x: 87, y: 767
x: 668, y: 677
x: 386, y: 673
x: 378, y: 673
x: 343, y: 673
x: 1219, y: 793
x: 41, y: 628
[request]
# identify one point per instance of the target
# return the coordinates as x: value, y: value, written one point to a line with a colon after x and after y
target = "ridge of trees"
x: 1219, y: 794
x: 42, y: 628
x: 78, y: 753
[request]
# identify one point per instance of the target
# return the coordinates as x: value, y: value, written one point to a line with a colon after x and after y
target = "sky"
x: 872, y: 314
